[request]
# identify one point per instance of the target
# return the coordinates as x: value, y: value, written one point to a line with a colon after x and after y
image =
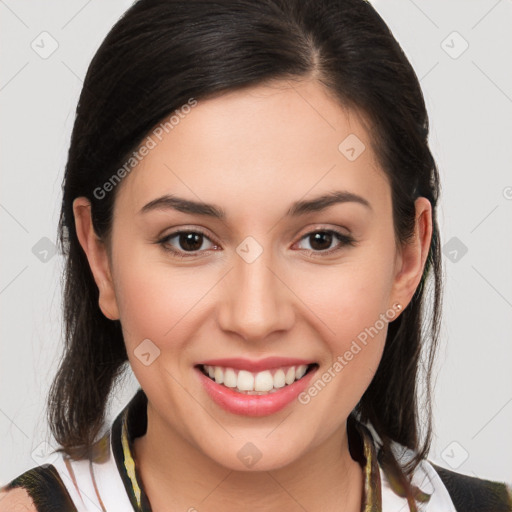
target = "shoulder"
x: 16, y: 500
x: 39, y: 489
x: 472, y: 494
x: 441, y: 489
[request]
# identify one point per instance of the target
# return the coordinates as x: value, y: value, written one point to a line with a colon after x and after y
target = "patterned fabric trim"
x: 372, y: 499
x: 129, y: 464
x: 118, y: 480
x: 132, y: 423
x: 129, y: 424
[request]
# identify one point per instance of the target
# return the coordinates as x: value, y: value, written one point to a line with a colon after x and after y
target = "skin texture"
x: 16, y: 500
x: 254, y: 152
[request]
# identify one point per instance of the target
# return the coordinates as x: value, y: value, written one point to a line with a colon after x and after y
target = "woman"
x: 216, y: 145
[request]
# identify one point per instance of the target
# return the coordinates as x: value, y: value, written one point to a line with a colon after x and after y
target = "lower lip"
x: 254, y: 405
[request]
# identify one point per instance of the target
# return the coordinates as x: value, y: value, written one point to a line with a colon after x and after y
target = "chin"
x: 258, y: 453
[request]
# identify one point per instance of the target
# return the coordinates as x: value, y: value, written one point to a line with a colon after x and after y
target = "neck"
x: 178, y: 476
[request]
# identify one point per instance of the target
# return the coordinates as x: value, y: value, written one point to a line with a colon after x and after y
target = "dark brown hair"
x: 160, y: 54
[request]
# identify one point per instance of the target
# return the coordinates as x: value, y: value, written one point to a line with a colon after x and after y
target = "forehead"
x: 265, y: 144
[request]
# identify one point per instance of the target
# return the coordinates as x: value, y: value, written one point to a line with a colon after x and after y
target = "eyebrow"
x: 297, y: 209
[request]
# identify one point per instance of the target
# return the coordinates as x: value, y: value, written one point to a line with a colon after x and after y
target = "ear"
x: 412, y: 256
x: 97, y: 255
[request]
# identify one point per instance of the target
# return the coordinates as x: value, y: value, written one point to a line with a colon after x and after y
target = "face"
x: 311, y: 287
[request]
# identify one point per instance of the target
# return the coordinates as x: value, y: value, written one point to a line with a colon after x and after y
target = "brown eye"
x: 185, y: 242
x: 190, y: 241
x: 321, y: 241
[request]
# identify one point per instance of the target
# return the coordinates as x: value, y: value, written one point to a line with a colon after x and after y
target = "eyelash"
x: 345, y: 240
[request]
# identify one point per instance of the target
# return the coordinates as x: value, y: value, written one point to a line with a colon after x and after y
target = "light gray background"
x: 469, y: 98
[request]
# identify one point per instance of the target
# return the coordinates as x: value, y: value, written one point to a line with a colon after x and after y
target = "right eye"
x: 190, y: 241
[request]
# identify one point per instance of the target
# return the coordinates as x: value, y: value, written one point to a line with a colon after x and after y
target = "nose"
x: 256, y: 299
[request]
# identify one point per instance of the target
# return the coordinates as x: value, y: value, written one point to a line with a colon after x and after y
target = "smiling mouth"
x: 256, y: 383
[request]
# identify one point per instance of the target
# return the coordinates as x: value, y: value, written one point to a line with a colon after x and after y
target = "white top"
x: 109, y: 481
x: 111, y: 491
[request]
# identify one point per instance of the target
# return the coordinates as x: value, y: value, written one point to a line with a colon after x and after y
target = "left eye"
x: 325, y: 238
x: 189, y: 241
x: 192, y: 242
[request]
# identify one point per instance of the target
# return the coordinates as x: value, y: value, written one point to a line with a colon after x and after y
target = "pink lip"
x: 253, y: 405
x: 239, y: 363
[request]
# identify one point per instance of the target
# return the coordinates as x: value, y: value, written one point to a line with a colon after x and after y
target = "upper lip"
x: 267, y: 363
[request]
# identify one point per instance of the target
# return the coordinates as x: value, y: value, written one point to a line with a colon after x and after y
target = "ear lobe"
x: 413, y: 255
x: 97, y: 255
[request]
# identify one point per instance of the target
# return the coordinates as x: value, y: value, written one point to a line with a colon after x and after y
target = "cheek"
x: 350, y: 297
x: 354, y: 323
x: 352, y: 304
x: 154, y: 298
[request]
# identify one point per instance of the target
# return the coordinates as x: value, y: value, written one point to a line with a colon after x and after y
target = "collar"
x: 132, y: 423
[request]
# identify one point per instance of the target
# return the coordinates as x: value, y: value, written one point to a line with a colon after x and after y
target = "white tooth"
x: 300, y: 371
x: 290, y: 375
x: 230, y: 378
x: 211, y: 371
x: 279, y: 379
x: 263, y: 381
x: 219, y: 375
x: 245, y: 381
